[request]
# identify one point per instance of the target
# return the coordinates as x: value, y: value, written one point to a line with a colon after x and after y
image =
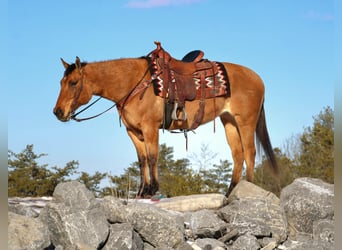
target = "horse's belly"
x: 213, y: 108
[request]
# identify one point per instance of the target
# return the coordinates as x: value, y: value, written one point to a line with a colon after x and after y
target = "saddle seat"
x: 191, y: 62
x: 193, y: 56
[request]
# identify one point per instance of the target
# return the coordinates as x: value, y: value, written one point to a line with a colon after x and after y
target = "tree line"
x: 310, y: 154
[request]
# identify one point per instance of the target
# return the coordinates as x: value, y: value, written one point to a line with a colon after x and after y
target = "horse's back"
x: 246, y: 91
x: 237, y: 73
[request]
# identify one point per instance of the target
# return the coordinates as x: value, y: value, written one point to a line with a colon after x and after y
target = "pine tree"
x: 92, y: 182
x: 125, y: 185
x: 27, y: 178
x: 265, y: 177
x: 316, y: 157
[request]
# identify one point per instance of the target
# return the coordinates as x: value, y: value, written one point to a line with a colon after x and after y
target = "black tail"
x: 264, y: 139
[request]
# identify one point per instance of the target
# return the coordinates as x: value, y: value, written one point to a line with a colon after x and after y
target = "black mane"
x: 72, y: 67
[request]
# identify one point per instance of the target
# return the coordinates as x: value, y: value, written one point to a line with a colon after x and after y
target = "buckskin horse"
x: 131, y: 84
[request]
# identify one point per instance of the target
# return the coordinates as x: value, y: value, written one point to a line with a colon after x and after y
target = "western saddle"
x: 183, y: 80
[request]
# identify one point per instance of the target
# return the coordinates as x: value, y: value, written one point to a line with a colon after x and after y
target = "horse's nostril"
x: 58, y: 112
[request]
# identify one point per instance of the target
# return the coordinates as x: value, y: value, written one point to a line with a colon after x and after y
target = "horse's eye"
x: 73, y: 83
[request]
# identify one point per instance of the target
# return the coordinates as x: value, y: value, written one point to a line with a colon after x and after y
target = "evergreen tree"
x: 175, y: 176
x: 221, y: 175
x: 92, y: 182
x: 312, y: 155
x: 316, y: 157
x: 265, y: 178
x: 27, y: 178
x: 125, y: 185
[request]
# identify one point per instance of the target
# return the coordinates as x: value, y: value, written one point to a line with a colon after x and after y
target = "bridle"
x: 139, y: 87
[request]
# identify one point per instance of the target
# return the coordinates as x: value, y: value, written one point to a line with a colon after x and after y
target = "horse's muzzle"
x: 60, y: 115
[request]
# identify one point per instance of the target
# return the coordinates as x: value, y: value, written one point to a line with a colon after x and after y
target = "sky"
x: 288, y: 43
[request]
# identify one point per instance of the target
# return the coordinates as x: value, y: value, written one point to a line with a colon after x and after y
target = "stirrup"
x: 174, y: 113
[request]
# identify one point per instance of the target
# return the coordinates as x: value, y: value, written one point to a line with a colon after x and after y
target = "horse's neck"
x: 116, y: 78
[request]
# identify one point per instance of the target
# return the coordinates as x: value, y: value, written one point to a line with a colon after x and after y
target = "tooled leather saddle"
x: 193, y: 77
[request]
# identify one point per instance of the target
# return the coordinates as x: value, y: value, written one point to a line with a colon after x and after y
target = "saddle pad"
x: 222, y: 83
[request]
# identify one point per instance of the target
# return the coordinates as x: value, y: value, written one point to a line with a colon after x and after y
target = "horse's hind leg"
x: 247, y: 125
x: 234, y: 141
x: 248, y: 143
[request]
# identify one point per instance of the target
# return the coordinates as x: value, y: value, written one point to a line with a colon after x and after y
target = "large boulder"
x: 75, y: 217
x: 305, y: 202
x: 158, y: 227
x: 193, y: 202
x: 26, y: 233
x: 255, y: 212
x: 123, y: 237
x: 245, y: 242
x: 205, y: 224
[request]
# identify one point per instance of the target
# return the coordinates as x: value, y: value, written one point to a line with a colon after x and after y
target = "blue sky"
x: 288, y: 43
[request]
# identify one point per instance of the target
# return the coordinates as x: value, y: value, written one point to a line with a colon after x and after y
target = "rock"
x: 26, y: 233
x: 156, y: 226
x: 123, y: 236
x: 74, y: 195
x: 208, y: 243
x: 248, y: 217
x: 267, y: 243
x: 75, y: 217
x: 148, y: 246
x: 255, y: 211
x: 251, y: 218
x: 206, y: 224
x: 193, y: 202
x: 270, y: 246
x: 323, y: 230
x: 112, y: 208
x: 245, y: 242
x: 229, y: 236
x: 82, y: 246
x: 246, y: 190
x: 184, y: 246
x: 28, y: 206
x: 305, y: 245
x: 305, y: 201
x: 23, y: 210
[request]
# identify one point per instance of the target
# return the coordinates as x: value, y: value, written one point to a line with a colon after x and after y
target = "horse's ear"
x: 78, y: 63
x: 65, y: 64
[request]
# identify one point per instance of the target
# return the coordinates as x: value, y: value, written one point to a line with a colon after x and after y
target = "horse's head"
x: 74, y: 90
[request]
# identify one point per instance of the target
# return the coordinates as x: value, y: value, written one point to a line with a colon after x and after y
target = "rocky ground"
x: 251, y: 218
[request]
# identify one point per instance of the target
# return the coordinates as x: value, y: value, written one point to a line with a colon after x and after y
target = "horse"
x: 127, y: 82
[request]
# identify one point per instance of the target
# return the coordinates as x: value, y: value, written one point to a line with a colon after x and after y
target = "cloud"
x: 315, y: 15
x: 141, y: 4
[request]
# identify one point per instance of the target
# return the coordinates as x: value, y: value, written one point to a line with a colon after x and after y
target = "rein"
x: 73, y: 117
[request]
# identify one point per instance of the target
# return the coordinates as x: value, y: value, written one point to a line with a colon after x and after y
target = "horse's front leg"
x: 152, y: 149
x: 139, y: 144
